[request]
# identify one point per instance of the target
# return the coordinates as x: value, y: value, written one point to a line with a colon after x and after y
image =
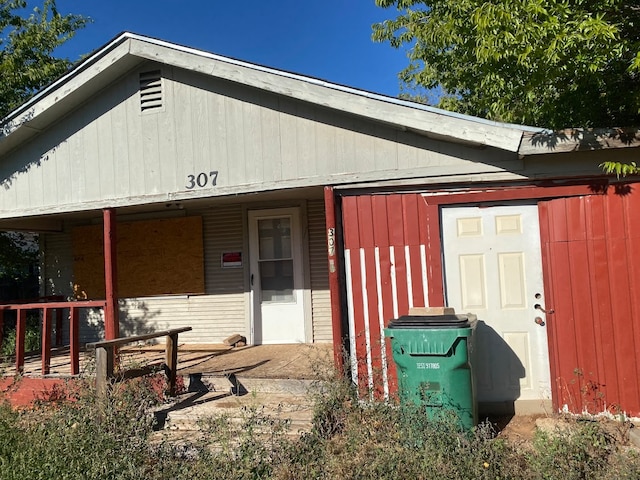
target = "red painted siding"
x: 385, y: 240
x: 592, y: 278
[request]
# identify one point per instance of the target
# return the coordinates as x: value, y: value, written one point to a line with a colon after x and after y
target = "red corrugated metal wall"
x: 386, y: 274
x: 592, y: 276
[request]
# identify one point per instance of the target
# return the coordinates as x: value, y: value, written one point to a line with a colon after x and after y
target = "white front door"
x: 276, y: 276
x: 493, y: 269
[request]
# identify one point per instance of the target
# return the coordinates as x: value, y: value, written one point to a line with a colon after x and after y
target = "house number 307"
x: 202, y: 179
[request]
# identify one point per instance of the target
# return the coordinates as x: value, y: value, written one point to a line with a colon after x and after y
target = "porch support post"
x: 111, y: 320
x: 334, y: 278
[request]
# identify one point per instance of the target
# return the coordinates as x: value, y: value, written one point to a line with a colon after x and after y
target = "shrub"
x: 89, y: 438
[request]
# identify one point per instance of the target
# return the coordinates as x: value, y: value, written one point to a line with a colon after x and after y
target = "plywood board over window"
x: 155, y: 257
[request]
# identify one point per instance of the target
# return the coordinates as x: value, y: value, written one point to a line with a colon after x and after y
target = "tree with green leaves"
x: 27, y: 45
x: 546, y: 63
x: 27, y: 63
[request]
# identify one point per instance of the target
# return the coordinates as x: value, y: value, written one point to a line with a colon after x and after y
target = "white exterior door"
x: 493, y: 269
x: 276, y: 276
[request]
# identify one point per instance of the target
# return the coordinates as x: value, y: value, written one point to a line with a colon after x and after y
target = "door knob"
x: 551, y: 311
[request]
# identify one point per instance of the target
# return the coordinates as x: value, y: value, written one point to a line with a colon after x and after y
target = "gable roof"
x: 128, y: 50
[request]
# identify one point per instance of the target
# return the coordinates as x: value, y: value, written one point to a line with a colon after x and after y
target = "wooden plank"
x: 380, y: 219
x: 105, y: 144
x: 120, y: 141
x: 46, y: 340
x: 253, y: 142
x: 365, y: 221
x: 163, y: 256
x: 601, y: 296
x: 549, y: 291
x: 21, y: 327
x: 136, y: 338
x: 236, y: 173
x: 577, y: 140
x: 58, y: 327
x: 91, y: 158
x: 288, y: 139
x: 435, y: 272
x: 56, y: 304
x: 171, y: 359
x: 350, y: 222
x: 74, y: 340
x: 306, y: 153
x: 104, y: 370
x: 184, y: 146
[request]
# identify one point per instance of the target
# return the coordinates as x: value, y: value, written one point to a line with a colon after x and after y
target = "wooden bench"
x: 106, y: 351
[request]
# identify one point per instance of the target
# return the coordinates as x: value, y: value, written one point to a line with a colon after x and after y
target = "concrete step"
x: 238, y: 398
x: 240, y: 385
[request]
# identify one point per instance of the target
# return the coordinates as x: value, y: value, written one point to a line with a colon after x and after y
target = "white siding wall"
x: 320, y: 299
x: 256, y: 140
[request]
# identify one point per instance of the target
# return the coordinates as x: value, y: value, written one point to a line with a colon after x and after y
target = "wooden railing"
x: 106, y: 353
x: 48, y: 308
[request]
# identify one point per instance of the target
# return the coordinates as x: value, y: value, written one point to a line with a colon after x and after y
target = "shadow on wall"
x: 135, y: 319
x: 498, y: 372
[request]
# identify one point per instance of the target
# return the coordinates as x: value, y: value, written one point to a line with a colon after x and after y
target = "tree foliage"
x: 27, y: 63
x: 27, y: 45
x: 548, y: 63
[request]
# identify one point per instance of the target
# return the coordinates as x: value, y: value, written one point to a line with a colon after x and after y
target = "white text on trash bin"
x: 427, y: 366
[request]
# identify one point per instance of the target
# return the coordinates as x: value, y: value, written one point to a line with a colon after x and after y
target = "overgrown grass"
x: 85, y: 438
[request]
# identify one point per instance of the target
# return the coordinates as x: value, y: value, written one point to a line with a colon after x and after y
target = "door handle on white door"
x: 551, y: 311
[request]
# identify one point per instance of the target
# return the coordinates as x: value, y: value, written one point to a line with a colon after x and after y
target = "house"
x: 176, y: 188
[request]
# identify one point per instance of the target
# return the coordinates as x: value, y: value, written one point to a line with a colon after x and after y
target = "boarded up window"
x: 155, y: 257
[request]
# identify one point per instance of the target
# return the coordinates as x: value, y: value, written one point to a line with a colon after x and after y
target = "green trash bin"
x: 433, y: 356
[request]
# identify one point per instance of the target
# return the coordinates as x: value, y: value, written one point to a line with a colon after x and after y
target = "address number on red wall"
x: 202, y: 180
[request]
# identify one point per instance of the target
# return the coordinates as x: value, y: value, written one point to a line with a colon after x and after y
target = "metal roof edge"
x: 79, y: 67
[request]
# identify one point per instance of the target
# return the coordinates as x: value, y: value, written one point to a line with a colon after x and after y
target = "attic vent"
x: 150, y: 91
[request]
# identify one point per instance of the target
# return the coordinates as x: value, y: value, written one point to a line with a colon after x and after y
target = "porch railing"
x: 47, y: 308
x: 106, y: 355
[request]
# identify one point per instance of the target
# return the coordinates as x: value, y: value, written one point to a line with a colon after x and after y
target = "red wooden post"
x: 111, y: 320
x: 46, y: 341
x: 74, y: 340
x: 334, y: 278
x: 21, y: 327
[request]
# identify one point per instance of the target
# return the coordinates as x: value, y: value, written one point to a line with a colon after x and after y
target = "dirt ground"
x: 521, y: 429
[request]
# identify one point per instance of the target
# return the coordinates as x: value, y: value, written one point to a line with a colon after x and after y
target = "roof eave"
x: 578, y: 140
x: 128, y: 49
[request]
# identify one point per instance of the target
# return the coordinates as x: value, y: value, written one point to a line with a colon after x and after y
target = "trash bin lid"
x: 431, y: 321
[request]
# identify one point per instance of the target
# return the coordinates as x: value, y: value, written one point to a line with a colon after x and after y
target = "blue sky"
x: 328, y: 39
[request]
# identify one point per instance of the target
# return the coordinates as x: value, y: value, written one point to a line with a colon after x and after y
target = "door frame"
x: 299, y: 213
x: 488, y: 195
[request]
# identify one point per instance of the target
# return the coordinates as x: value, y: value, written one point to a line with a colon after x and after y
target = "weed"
x: 111, y: 438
